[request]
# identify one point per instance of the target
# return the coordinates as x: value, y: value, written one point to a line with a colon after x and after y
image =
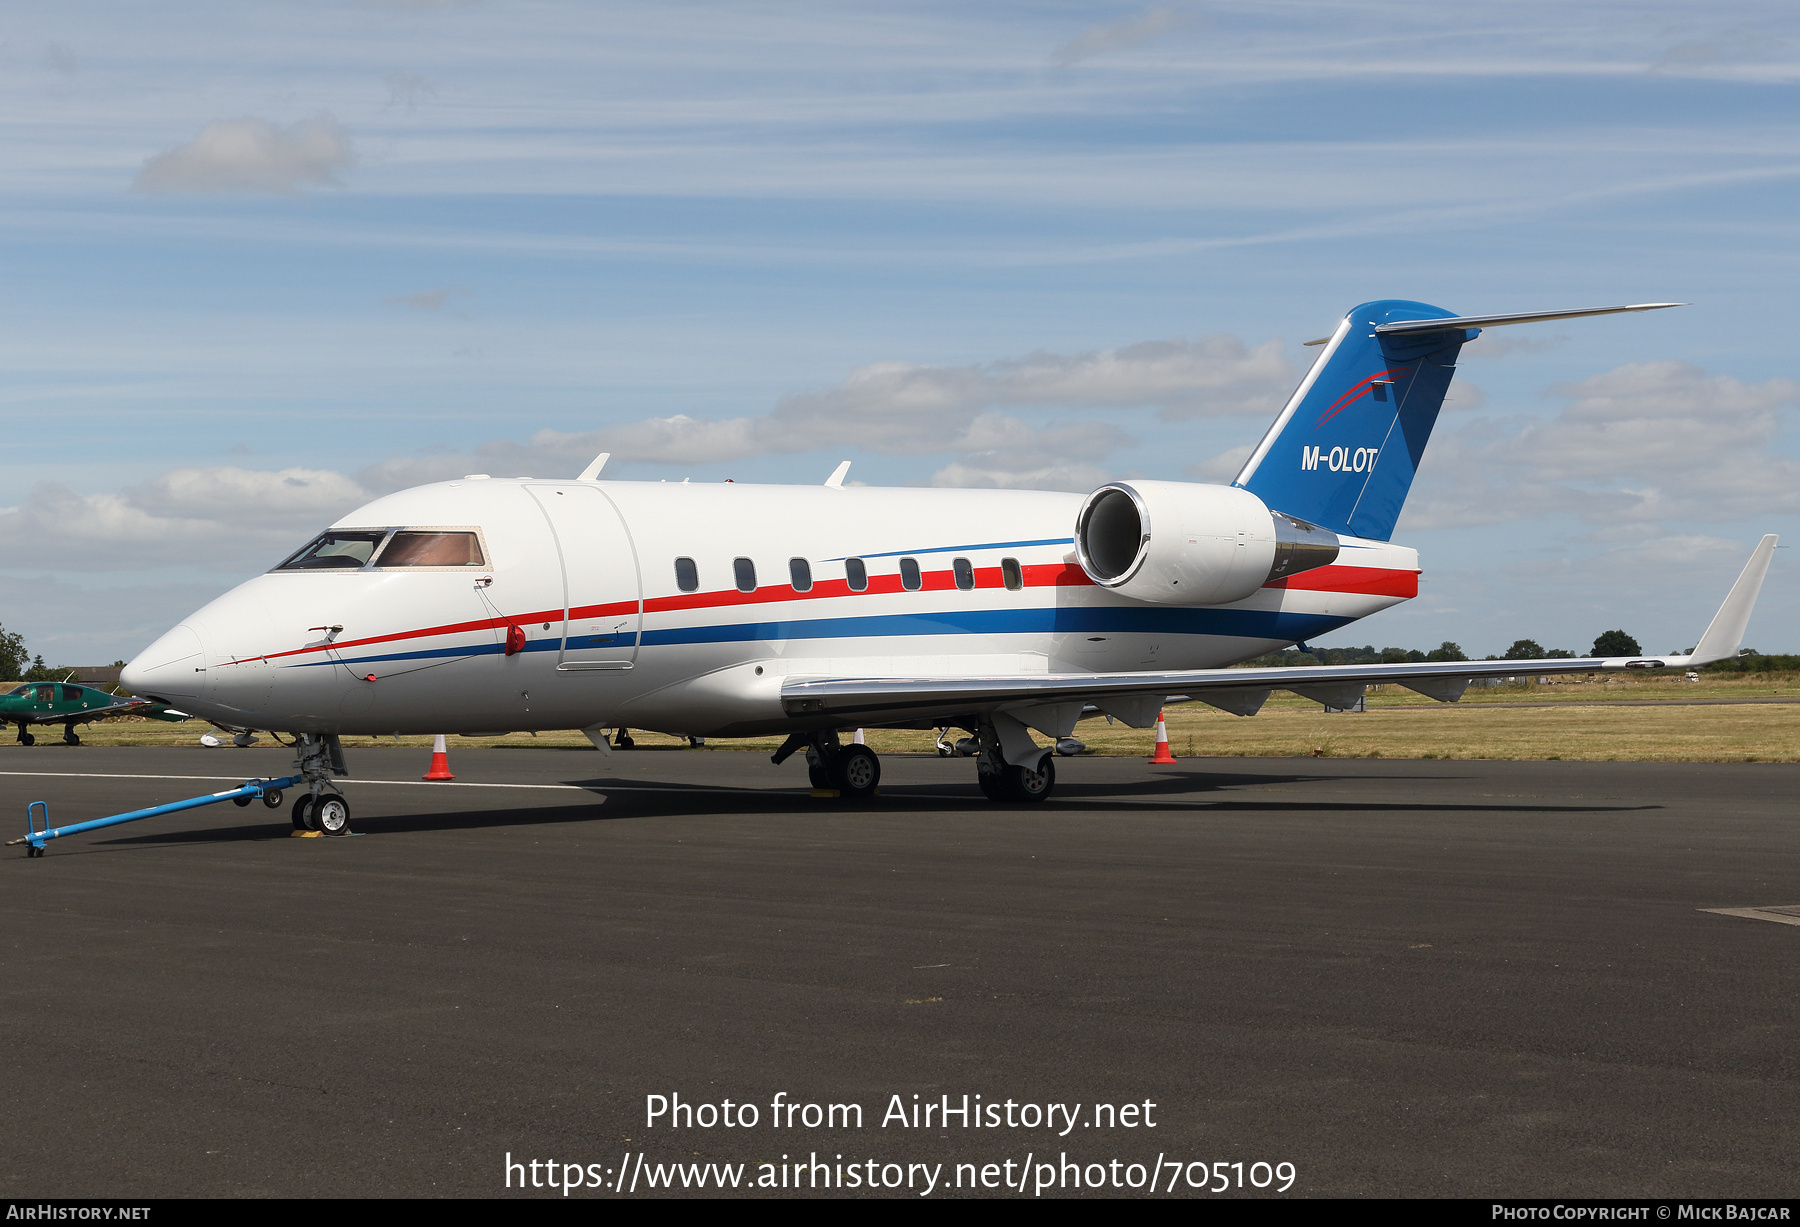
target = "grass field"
x: 1570, y: 720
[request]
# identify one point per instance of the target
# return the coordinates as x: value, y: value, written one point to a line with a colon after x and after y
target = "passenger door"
x: 603, y: 606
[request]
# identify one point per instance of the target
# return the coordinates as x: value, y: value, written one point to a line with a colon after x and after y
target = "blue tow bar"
x: 36, y: 837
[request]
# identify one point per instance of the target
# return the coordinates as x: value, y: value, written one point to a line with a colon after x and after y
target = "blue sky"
x: 266, y: 261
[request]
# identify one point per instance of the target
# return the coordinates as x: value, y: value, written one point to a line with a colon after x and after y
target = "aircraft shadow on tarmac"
x: 625, y: 799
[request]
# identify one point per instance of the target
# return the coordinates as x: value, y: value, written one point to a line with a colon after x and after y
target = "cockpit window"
x: 20, y: 690
x: 435, y: 548
x: 343, y: 549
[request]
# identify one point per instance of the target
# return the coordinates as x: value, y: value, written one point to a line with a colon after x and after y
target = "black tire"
x: 332, y: 815
x: 303, y: 812
x: 70, y: 738
x: 817, y: 772
x: 623, y: 742
x: 26, y: 739
x: 993, y: 786
x: 241, y: 802
x: 1029, y: 786
x: 857, y: 773
x: 272, y: 798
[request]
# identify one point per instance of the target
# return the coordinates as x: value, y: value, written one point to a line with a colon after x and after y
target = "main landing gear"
x: 322, y: 807
x: 853, y: 771
x: 69, y: 737
x: 25, y: 737
x: 1009, y: 766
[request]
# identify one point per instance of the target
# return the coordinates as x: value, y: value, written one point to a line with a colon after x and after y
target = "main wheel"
x: 333, y: 815
x: 857, y: 772
x: 26, y: 739
x: 1024, y: 784
x: 303, y: 820
x: 69, y: 737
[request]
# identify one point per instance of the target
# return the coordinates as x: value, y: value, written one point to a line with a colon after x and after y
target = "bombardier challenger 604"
x: 737, y: 610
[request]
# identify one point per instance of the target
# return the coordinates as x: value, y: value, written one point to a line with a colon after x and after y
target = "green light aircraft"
x: 70, y: 705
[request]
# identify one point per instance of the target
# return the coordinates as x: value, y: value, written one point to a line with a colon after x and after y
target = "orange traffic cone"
x: 1162, y: 755
x: 440, y: 761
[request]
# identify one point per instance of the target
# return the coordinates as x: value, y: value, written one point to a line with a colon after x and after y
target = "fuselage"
x: 683, y: 607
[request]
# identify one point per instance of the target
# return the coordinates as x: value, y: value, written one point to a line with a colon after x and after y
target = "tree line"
x: 1608, y: 643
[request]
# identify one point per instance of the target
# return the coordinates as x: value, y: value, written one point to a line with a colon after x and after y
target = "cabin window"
x: 433, y: 548
x: 71, y: 694
x: 1011, y: 575
x: 744, y: 571
x: 909, y: 574
x: 687, y: 575
x: 46, y: 694
x: 965, y: 573
x: 856, y: 575
x: 800, y: 574
x: 347, y: 549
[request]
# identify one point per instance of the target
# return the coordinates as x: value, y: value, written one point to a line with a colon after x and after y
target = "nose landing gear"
x: 321, y: 807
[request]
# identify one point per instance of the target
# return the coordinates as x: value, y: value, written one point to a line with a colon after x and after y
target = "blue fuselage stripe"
x: 1067, y: 620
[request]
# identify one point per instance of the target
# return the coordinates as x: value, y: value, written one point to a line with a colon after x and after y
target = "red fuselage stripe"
x: 1373, y: 581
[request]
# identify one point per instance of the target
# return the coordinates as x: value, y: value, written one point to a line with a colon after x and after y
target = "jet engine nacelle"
x: 1181, y: 543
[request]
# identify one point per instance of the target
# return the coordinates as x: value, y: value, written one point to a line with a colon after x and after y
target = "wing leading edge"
x: 875, y: 700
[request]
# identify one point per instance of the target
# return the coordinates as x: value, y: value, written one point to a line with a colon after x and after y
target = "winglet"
x: 593, y: 470
x: 837, y: 475
x: 1726, y: 631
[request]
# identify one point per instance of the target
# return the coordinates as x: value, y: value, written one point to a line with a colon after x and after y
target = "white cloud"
x: 922, y: 405
x: 1120, y: 35
x: 223, y: 517
x: 1223, y: 467
x: 1643, y: 443
x: 252, y: 155
x: 902, y: 408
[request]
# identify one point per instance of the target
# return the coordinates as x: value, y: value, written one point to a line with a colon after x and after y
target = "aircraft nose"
x: 173, y: 666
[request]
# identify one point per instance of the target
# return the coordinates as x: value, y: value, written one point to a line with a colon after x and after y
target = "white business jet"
x: 738, y: 610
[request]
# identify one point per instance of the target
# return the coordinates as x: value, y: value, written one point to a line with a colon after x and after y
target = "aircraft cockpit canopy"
x: 356, y: 548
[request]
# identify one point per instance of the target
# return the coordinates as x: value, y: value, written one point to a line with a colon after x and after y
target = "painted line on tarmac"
x: 95, y: 775
x: 675, y: 788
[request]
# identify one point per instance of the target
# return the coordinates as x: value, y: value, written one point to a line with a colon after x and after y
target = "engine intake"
x: 1210, y: 545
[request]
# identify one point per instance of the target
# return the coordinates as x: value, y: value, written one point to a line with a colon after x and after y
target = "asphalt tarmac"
x: 1403, y: 978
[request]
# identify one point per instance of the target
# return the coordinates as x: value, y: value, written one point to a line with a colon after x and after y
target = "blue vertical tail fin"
x: 1344, y: 450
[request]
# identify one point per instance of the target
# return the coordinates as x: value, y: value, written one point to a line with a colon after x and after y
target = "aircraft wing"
x: 1134, y: 697
x: 124, y: 706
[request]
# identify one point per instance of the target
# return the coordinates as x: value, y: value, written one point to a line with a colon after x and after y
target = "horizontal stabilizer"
x: 1523, y: 317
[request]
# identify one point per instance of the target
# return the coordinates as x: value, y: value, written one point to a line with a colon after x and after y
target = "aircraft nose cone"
x: 174, y: 666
